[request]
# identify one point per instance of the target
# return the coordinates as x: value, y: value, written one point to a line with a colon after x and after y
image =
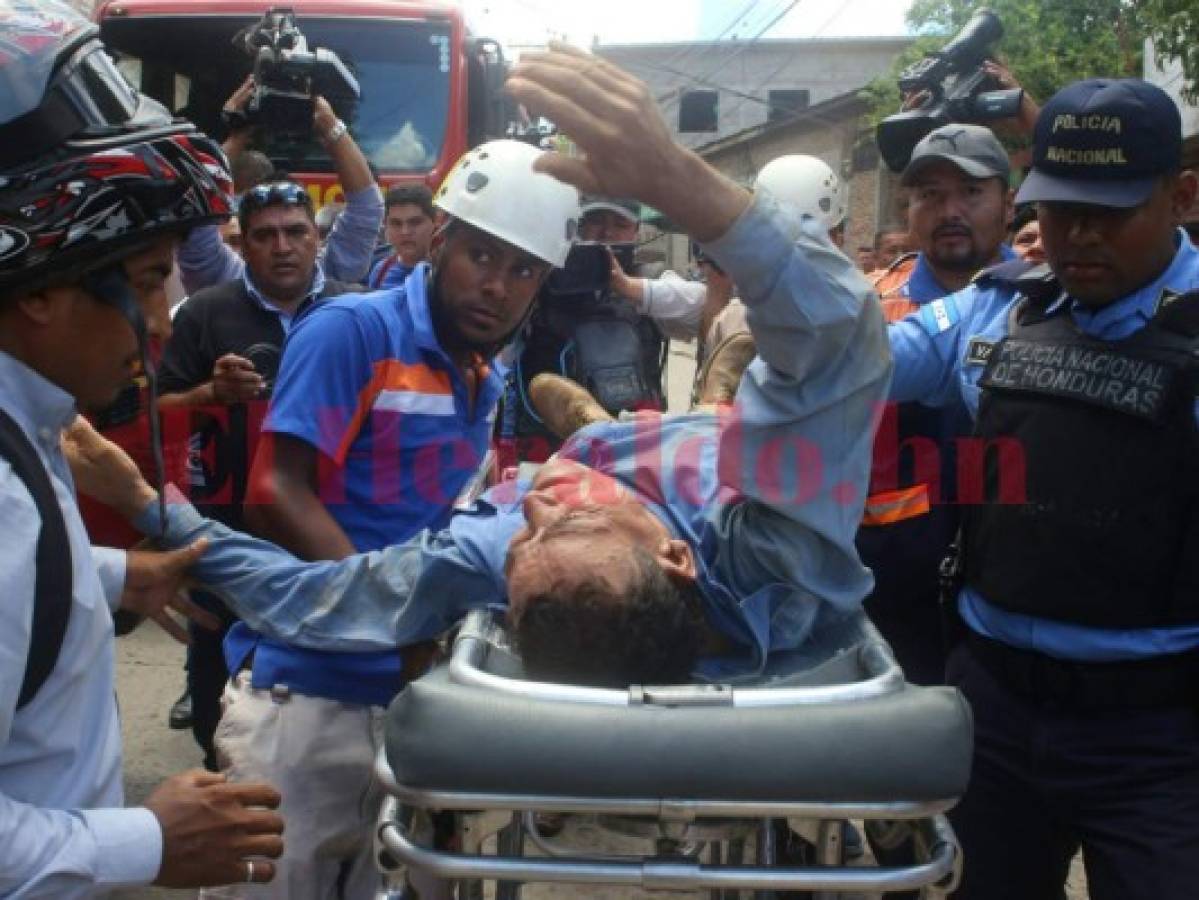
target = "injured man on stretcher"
x: 652, y: 550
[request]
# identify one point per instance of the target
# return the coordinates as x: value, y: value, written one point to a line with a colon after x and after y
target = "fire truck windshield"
x: 402, y: 68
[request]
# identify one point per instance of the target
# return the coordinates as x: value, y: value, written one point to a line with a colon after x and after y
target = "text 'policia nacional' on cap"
x: 1103, y: 142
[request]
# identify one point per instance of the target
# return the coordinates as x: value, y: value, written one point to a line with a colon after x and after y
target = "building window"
x: 697, y: 111
x: 785, y: 104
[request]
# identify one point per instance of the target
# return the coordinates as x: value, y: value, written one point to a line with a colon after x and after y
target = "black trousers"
x: 1121, y: 783
x: 207, y: 673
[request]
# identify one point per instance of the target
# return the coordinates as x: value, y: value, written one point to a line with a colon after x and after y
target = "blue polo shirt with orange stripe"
x: 364, y: 381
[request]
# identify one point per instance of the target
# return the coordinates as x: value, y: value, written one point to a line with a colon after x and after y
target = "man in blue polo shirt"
x: 408, y: 223
x: 382, y: 411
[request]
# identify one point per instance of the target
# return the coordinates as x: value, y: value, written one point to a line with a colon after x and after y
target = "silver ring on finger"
x: 249, y: 870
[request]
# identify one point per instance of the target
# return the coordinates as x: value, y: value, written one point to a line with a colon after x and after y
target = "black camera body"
x: 582, y: 330
x: 957, y: 88
x: 287, y: 75
x: 584, y: 279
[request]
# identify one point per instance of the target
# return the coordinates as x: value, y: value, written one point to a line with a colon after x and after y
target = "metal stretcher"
x: 712, y: 777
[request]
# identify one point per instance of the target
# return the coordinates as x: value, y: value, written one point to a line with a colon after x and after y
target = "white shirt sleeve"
x: 675, y: 303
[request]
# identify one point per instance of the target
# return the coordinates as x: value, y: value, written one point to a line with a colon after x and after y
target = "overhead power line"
x: 740, y: 49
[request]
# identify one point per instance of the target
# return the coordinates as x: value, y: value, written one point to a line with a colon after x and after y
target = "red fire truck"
x: 429, y: 89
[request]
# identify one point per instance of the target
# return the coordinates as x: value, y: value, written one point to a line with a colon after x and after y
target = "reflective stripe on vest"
x: 889, y: 507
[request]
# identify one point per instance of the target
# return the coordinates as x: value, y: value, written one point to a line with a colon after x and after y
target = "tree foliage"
x: 1174, y: 27
x: 1049, y: 43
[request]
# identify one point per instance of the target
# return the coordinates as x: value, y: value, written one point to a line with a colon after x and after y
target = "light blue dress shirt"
x: 63, y: 833
x: 932, y: 366
x: 769, y: 497
x: 286, y: 319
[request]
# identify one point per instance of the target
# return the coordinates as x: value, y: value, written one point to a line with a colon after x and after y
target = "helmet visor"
x: 33, y: 36
x: 87, y: 97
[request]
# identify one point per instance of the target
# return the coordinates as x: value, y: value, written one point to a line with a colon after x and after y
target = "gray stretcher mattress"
x: 911, y: 745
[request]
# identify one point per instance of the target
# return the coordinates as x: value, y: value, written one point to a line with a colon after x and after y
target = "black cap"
x: 1104, y: 142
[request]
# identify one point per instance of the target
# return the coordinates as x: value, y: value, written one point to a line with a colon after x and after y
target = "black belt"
x: 1156, y: 682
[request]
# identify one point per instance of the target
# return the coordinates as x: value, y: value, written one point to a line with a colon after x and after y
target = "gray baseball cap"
x: 972, y: 148
x: 622, y: 206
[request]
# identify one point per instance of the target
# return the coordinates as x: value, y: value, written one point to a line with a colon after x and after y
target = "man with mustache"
x: 958, y: 211
x: 1079, y: 585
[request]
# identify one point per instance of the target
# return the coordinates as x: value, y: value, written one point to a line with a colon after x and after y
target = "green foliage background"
x: 1049, y: 43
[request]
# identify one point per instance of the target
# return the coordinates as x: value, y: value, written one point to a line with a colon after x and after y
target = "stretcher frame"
x: 684, y: 827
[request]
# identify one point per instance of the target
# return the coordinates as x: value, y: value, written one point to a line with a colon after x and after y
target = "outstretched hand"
x: 213, y: 829
x: 1026, y: 119
x: 241, y: 96
x: 154, y: 582
x: 621, y: 283
x: 627, y: 150
x: 235, y: 380
x: 104, y: 471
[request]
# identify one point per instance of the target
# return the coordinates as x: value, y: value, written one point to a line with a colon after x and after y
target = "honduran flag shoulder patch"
x: 940, y: 315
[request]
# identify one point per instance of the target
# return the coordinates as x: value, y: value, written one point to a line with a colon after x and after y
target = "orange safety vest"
x: 889, y: 507
x: 890, y: 283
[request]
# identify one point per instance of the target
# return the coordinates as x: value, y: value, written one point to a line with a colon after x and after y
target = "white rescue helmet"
x: 494, y: 188
x: 808, y: 184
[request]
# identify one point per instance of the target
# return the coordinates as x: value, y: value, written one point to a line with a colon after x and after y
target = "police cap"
x: 1103, y: 142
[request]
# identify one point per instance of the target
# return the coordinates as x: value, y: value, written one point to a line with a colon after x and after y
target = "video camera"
x: 586, y: 276
x: 957, y: 91
x: 287, y: 75
x: 602, y: 333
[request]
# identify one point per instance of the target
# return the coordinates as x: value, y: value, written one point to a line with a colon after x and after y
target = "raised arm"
x: 927, y: 347
x: 797, y: 444
x: 797, y: 448
x: 351, y: 244
x: 627, y: 149
x: 204, y: 259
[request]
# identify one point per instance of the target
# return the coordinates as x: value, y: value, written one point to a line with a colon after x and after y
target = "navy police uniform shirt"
x: 940, y: 352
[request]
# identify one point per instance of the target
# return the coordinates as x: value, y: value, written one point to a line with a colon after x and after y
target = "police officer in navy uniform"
x: 1079, y: 597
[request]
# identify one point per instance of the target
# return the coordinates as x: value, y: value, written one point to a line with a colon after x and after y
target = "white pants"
x: 320, y: 756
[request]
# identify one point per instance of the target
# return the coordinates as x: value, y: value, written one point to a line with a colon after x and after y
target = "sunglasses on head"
x: 279, y: 193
